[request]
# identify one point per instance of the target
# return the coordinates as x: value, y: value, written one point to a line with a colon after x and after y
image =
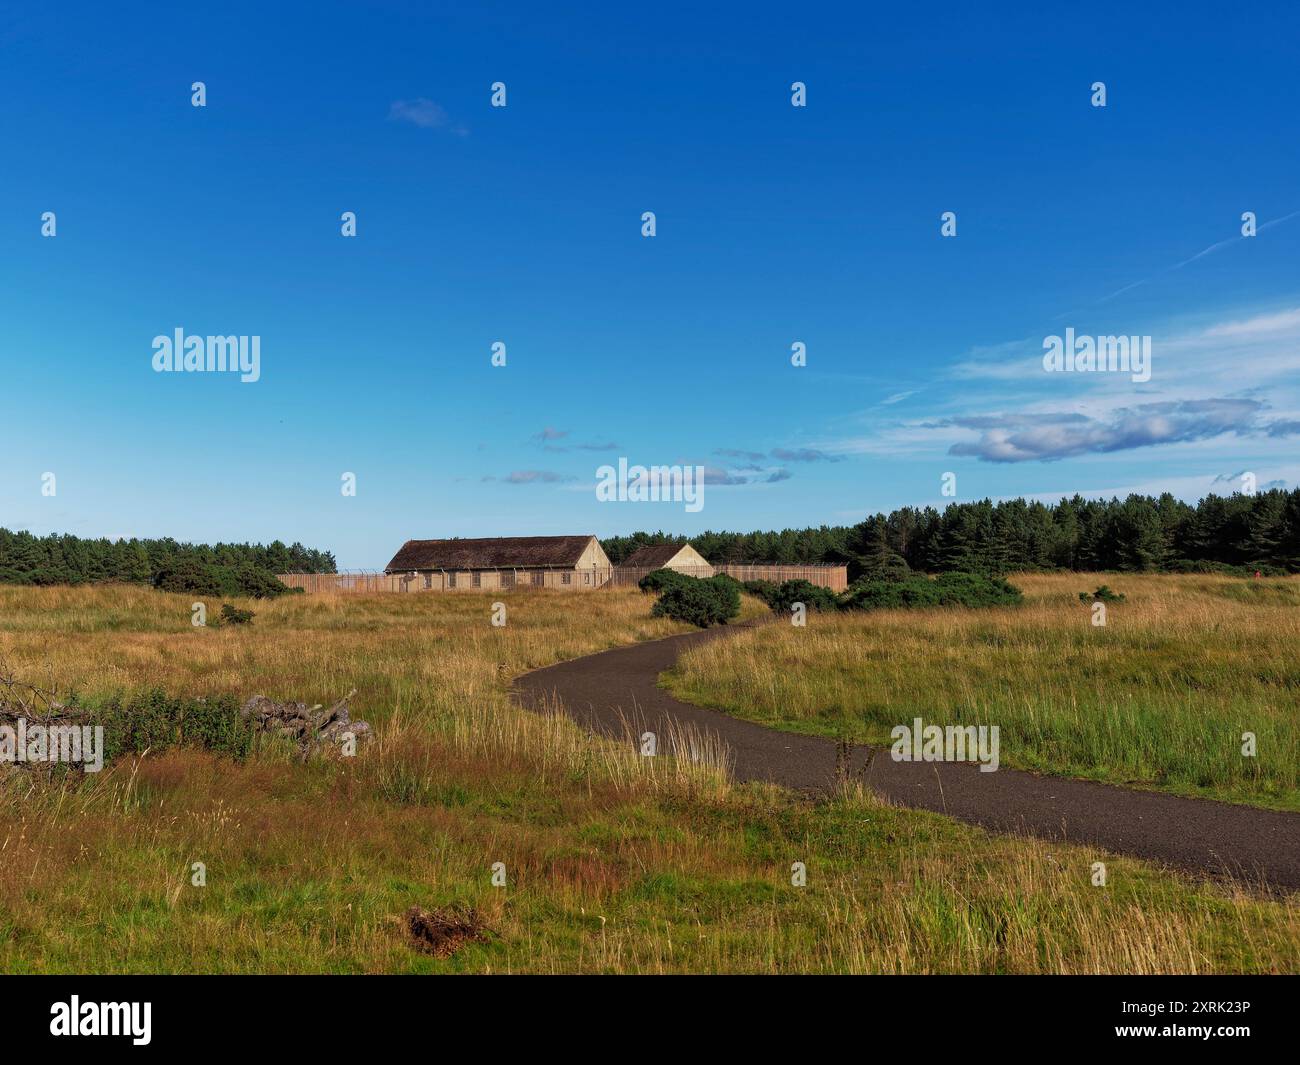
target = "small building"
x: 577, y: 562
x: 681, y: 557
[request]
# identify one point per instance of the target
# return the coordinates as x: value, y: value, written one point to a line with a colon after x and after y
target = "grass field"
x: 614, y: 863
x: 1158, y: 697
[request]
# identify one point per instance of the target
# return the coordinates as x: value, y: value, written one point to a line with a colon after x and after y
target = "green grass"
x: 615, y: 863
x: 1159, y: 697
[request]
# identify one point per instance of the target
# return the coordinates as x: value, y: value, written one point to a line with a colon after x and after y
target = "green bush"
x: 781, y: 597
x: 1102, y: 594
x: 1264, y: 569
x: 700, y: 602
x: 154, y: 721
x: 662, y: 579
x: 947, y: 589
x: 730, y: 581
x: 192, y: 577
x: 232, y: 615
x: 189, y: 577
x: 886, y: 567
x: 255, y: 583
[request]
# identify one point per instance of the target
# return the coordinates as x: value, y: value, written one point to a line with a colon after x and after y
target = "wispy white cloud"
x: 424, y: 113
x: 1210, y: 249
x: 1260, y: 325
x: 533, y: 477
x: 1238, y: 377
x: 804, y: 454
x: 1048, y: 437
x: 549, y: 435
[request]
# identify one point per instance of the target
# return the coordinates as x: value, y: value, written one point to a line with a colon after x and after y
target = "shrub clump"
x: 782, y: 597
x: 192, y: 577
x: 257, y: 583
x: 661, y: 580
x: 232, y: 615
x: 717, y: 600
x: 1263, y: 569
x: 1104, y: 594
x: 729, y: 580
x: 947, y: 589
x: 714, y: 601
x: 154, y: 721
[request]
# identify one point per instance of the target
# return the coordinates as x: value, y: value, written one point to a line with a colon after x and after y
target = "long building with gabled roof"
x: 502, y: 562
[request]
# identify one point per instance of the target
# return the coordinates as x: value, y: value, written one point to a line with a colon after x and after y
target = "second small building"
x: 680, y: 557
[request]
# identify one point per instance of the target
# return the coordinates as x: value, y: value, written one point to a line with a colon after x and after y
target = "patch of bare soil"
x: 444, y: 931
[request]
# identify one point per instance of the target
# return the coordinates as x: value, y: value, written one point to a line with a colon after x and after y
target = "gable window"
x: 539, y: 578
x: 507, y: 578
x: 586, y: 578
x: 451, y: 580
x: 566, y: 578
x: 476, y: 579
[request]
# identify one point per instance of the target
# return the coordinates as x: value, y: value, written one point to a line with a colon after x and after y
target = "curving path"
x: 605, y: 691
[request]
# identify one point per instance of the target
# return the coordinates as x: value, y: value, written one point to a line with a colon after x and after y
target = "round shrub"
x: 192, y: 577
x: 258, y: 583
x: 729, y: 580
x: 662, y: 579
x: 813, y: 596
x: 700, y: 602
x: 189, y: 577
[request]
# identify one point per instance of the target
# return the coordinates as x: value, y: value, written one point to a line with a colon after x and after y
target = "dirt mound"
x: 444, y: 931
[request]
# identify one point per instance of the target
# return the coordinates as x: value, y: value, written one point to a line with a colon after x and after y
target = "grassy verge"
x: 613, y: 863
x: 1160, y: 696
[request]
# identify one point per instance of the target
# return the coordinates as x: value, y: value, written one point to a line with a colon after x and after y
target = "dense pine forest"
x: 1245, y: 532
x: 1237, y: 532
x: 63, y: 559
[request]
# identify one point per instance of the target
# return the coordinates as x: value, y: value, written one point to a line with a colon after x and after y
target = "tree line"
x: 1239, y: 532
x: 1236, y: 532
x: 67, y: 559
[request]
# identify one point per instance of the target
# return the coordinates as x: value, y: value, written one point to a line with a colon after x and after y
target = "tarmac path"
x: 608, y: 690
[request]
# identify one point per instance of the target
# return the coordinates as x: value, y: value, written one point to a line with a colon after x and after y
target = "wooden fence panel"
x: 625, y: 575
x: 833, y: 577
x: 316, y: 583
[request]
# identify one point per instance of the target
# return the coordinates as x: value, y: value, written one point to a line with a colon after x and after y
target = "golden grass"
x: 614, y: 863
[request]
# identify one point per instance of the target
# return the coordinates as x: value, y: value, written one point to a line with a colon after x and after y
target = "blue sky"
x: 522, y: 224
